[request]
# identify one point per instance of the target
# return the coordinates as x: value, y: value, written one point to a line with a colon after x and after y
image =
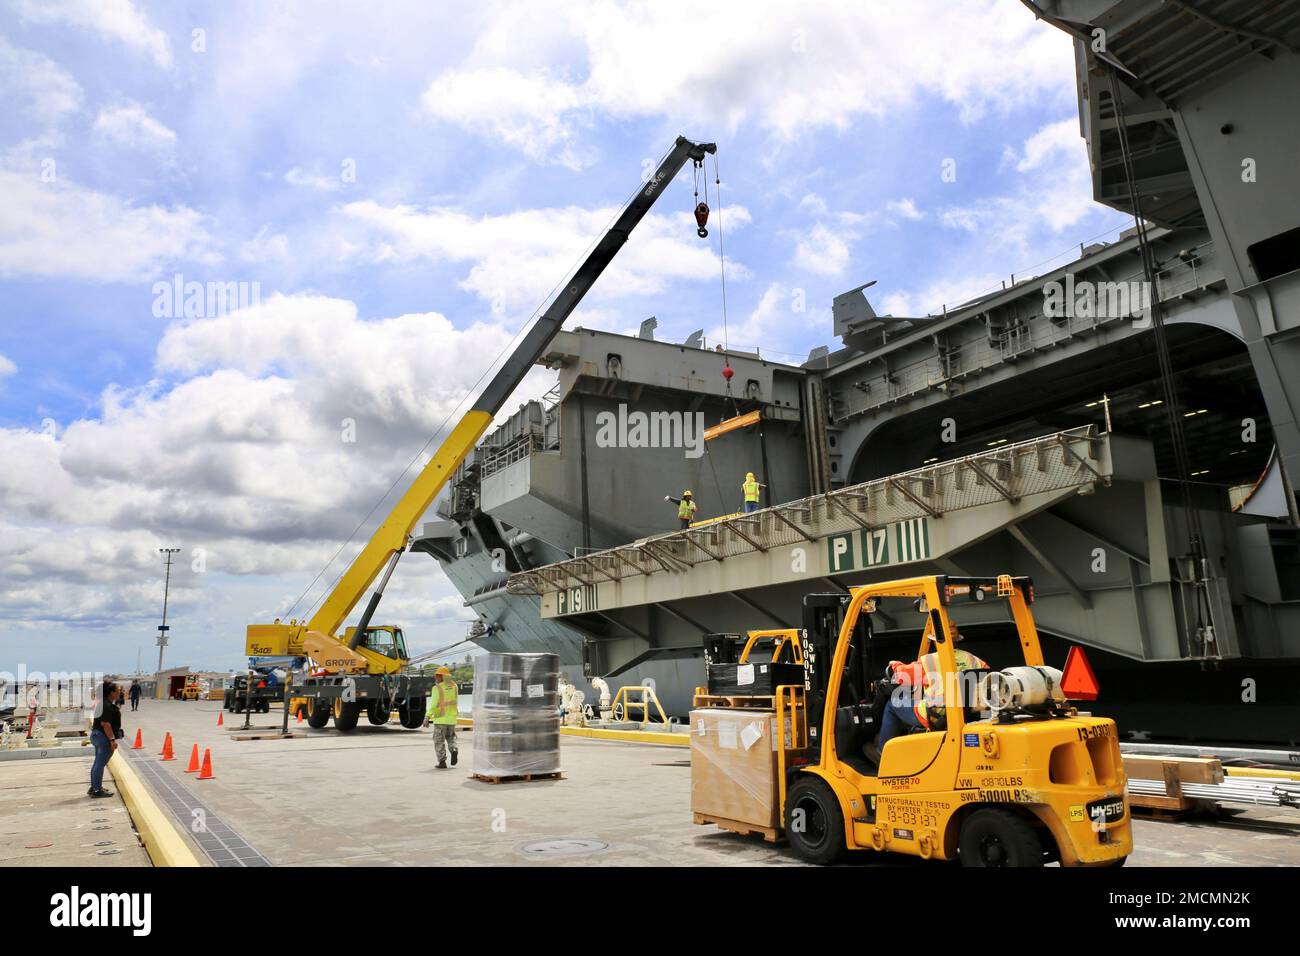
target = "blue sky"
x: 404, y: 183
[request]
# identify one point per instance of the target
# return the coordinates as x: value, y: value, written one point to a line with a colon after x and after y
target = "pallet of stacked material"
x: 1174, y: 771
x: 1190, y: 769
x: 516, y: 733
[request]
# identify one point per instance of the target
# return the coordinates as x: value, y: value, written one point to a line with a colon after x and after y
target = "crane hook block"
x: 727, y: 372
x: 702, y: 219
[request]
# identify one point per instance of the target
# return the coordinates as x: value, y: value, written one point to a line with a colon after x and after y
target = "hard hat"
x: 443, y: 671
x: 687, y: 493
x: 749, y: 476
x: 957, y: 637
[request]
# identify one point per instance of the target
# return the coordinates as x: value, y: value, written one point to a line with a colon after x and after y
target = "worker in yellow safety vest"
x: 751, y: 487
x: 918, y: 699
x: 685, y: 507
x: 443, y: 710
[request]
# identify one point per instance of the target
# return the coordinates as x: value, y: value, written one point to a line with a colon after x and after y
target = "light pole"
x: 162, y: 628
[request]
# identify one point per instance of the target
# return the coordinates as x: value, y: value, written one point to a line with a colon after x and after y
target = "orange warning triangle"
x: 1078, y: 682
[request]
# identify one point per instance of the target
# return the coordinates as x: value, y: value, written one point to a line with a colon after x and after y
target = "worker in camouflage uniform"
x: 443, y: 709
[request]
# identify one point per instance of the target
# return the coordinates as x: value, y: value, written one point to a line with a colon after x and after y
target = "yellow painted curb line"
x: 162, y: 841
x: 630, y: 736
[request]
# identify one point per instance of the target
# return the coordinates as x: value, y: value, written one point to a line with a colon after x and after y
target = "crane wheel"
x: 814, y: 823
x: 346, y: 714
x: 998, y: 837
x: 319, y: 714
x: 412, y: 713
x: 378, y: 713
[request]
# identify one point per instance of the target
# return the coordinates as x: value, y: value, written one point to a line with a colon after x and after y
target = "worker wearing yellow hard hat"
x: 685, y: 507
x: 442, y: 713
x: 751, y: 486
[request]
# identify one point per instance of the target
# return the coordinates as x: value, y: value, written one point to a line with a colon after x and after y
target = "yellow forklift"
x: 1008, y: 773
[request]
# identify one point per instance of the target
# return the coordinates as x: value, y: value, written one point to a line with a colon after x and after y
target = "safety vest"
x: 751, y: 490
x: 443, y: 707
x: 686, y: 509
x: 931, y: 695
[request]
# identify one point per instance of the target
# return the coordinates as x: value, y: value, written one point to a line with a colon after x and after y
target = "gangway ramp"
x: 916, y: 516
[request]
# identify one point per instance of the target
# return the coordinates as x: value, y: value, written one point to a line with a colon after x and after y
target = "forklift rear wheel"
x: 412, y: 713
x: 319, y: 715
x: 814, y: 823
x: 998, y: 837
x: 346, y: 714
x: 377, y: 714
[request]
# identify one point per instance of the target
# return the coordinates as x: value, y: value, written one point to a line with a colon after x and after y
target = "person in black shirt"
x: 104, y: 732
x: 135, y: 696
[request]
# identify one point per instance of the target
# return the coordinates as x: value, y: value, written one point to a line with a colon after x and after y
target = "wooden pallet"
x: 770, y: 834
x: 511, y: 778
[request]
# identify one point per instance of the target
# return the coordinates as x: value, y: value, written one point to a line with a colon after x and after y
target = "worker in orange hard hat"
x: 442, y: 713
x: 685, y: 507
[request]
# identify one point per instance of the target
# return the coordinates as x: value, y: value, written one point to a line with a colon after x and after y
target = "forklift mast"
x: 823, y: 619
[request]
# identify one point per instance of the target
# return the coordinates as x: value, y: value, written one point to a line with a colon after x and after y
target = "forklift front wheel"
x: 998, y: 837
x: 814, y: 823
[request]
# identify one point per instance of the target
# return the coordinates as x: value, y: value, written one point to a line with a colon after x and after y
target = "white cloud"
x: 242, y: 455
x: 1051, y: 143
x: 905, y: 208
x: 932, y: 299
x: 787, y: 68
x: 7, y: 367
x: 265, y: 247
x: 131, y: 126
x: 56, y: 230
x: 300, y: 177
x: 777, y: 326
x: 822, y: 251
x: 1054, y: 194
x: 516, y: 258
x: 116, y: 20
x: 46, y: 91
x: 526, y: 111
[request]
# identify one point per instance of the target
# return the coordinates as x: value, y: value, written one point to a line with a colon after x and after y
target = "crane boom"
x: 390, y: 540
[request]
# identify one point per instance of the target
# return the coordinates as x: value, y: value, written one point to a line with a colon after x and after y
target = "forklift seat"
x: 854, y: 729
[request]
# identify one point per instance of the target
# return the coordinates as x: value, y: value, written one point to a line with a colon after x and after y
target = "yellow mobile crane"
x: 364, y: 668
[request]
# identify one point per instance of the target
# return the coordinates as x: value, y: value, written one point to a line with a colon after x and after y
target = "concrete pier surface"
x: 373, y: 796
x: 46, y: 819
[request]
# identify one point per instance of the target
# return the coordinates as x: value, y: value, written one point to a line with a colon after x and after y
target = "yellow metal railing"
x: 623, y: 703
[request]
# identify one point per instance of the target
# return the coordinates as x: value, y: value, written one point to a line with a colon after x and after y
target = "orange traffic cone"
x: 206, y: 772
x: 139, y: 740
x: 167, y: 748
x: 221, y: 718
x: 194, y: 760
x: 300, y: 716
